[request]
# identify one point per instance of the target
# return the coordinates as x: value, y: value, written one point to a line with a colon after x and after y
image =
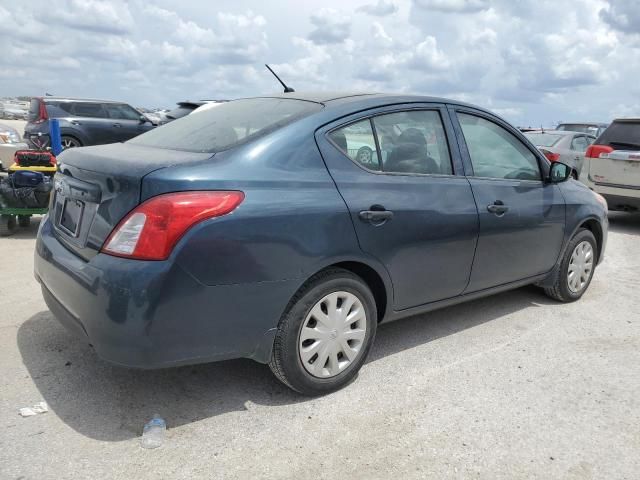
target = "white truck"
x: 612, y: 165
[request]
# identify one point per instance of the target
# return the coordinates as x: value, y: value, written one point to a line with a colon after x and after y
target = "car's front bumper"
x: 154, y: 314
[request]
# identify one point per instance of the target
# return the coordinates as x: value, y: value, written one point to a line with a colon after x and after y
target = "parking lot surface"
x: 511, y: 386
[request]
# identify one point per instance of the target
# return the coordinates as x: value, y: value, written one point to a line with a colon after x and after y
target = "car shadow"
x: 111, y: 403
x: 26, y: 232
x: 623, y: 222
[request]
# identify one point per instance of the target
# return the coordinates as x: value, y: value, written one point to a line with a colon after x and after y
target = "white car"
x: 612, y: 165
x: 10, y: 142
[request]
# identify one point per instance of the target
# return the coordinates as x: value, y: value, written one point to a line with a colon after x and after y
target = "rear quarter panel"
x: 291, y: 224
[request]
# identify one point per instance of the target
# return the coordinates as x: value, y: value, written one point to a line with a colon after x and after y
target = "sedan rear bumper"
x: 154, y: 314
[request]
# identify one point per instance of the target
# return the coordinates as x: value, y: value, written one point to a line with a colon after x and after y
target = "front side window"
x: 121, y: 111
x: 358, y: 143
x: 496, y: 152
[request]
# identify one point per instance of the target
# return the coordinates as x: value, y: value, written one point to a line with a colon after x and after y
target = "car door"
x: 579, y: 145
x: 91, y: 119
x: 125, y: 121
x: 522, y: 218
x: 401, y: 178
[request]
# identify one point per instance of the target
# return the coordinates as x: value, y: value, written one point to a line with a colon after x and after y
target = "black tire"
x: 24, y: 220
x: 70, y: 142
x: 285, y: 361
x: 7, y: 225
x: 560, y: 290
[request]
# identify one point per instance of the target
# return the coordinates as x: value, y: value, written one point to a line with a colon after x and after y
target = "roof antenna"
x: 286, y: 89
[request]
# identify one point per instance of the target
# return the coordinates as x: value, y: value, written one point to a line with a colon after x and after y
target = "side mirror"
x: 143, y: 119
x: 559, y: 172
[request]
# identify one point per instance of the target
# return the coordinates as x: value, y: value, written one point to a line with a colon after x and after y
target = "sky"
x: 535, y: 62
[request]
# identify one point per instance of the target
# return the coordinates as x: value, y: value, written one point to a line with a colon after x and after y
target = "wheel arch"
x: 593, y: 225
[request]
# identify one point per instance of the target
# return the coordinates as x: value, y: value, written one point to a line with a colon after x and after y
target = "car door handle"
x: 375, y: 217
x: 117, y: 125
x: 498, y: 208
x: 75, y: 122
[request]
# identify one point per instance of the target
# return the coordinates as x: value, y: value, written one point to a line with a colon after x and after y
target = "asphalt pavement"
x: 507, y: 387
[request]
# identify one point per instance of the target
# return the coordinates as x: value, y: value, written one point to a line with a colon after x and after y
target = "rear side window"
x: 230, y: 124
x: 409, y: 142
x: 580, y: 143
x: 496, y: 152
x: 621, y: 135
x: 86, y: 109
x: 358, y: 143
x: 59, y: 109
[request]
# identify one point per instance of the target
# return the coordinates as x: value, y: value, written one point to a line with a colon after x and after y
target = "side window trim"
x: 446, y: 125
x: 543, y: 166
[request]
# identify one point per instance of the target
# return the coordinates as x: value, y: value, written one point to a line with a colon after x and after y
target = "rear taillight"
x: 151, y: 230
x: 596, y: 151
x: 552, y: 157
x: 42, y: 113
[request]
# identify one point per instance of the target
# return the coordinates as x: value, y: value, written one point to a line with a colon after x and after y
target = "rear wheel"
x: 24, y: 220
x: 576, y: 268
x: 326, y: 333
x: 7, y: 225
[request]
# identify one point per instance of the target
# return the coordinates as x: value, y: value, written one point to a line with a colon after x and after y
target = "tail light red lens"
x: 596, y: 151
x: 42, y: 113
x: 552, y: 157
x: 151, y: 230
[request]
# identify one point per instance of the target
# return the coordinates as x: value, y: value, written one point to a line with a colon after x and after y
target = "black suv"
x: 84, y: 122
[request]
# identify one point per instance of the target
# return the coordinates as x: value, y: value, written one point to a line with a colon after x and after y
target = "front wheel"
x: 576, y: 268
x: 326, y: 333
x: 70, y: 142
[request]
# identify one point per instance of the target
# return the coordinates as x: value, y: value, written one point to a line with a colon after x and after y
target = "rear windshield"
x: 621, y: 135
x: 230, y: 124
x: 579, y: 127
x: 180, y: 112
x: 34, y: 109
x: 543, y: 139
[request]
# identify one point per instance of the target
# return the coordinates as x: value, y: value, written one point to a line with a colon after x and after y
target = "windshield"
x: 543, y: 139
x: 227, y: 125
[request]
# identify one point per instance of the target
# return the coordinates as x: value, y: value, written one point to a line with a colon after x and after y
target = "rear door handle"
x: 117, y: 125
x: 498, y: 208
x: 75, y: 122
x: 375, y: 217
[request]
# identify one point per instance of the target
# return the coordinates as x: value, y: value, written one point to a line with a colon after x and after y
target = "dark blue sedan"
x: 285, y: 228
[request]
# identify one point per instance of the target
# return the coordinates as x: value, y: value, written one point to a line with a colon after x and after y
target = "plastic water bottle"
x: 153, y: 432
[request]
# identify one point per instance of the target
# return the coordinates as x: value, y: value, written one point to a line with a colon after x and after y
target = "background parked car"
x: 612, y: 165
x: 10, y: 142
x: 592, y: 128
x: 185, y: 108
x: 85, y: 122
x: 562, y: 146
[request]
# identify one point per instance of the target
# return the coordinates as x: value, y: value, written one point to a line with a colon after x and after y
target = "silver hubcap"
x: 68, y: 143
x: 332, y: 335
x: 365, y: 156
x: 580, y: 267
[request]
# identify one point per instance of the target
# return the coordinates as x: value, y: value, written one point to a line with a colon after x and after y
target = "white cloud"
x: 380, y: 9
x: 535, y: 61
x: 331, y: 26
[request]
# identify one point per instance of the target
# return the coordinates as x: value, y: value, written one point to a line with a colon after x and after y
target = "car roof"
x: 366, y: 99
x: 595, y: 124
x: 563, y: 133
x: 627, y: 120
x: 80, y: 100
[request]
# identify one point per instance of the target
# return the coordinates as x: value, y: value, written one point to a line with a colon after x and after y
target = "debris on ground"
x: 40, y: 407
x: 153, y: 432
